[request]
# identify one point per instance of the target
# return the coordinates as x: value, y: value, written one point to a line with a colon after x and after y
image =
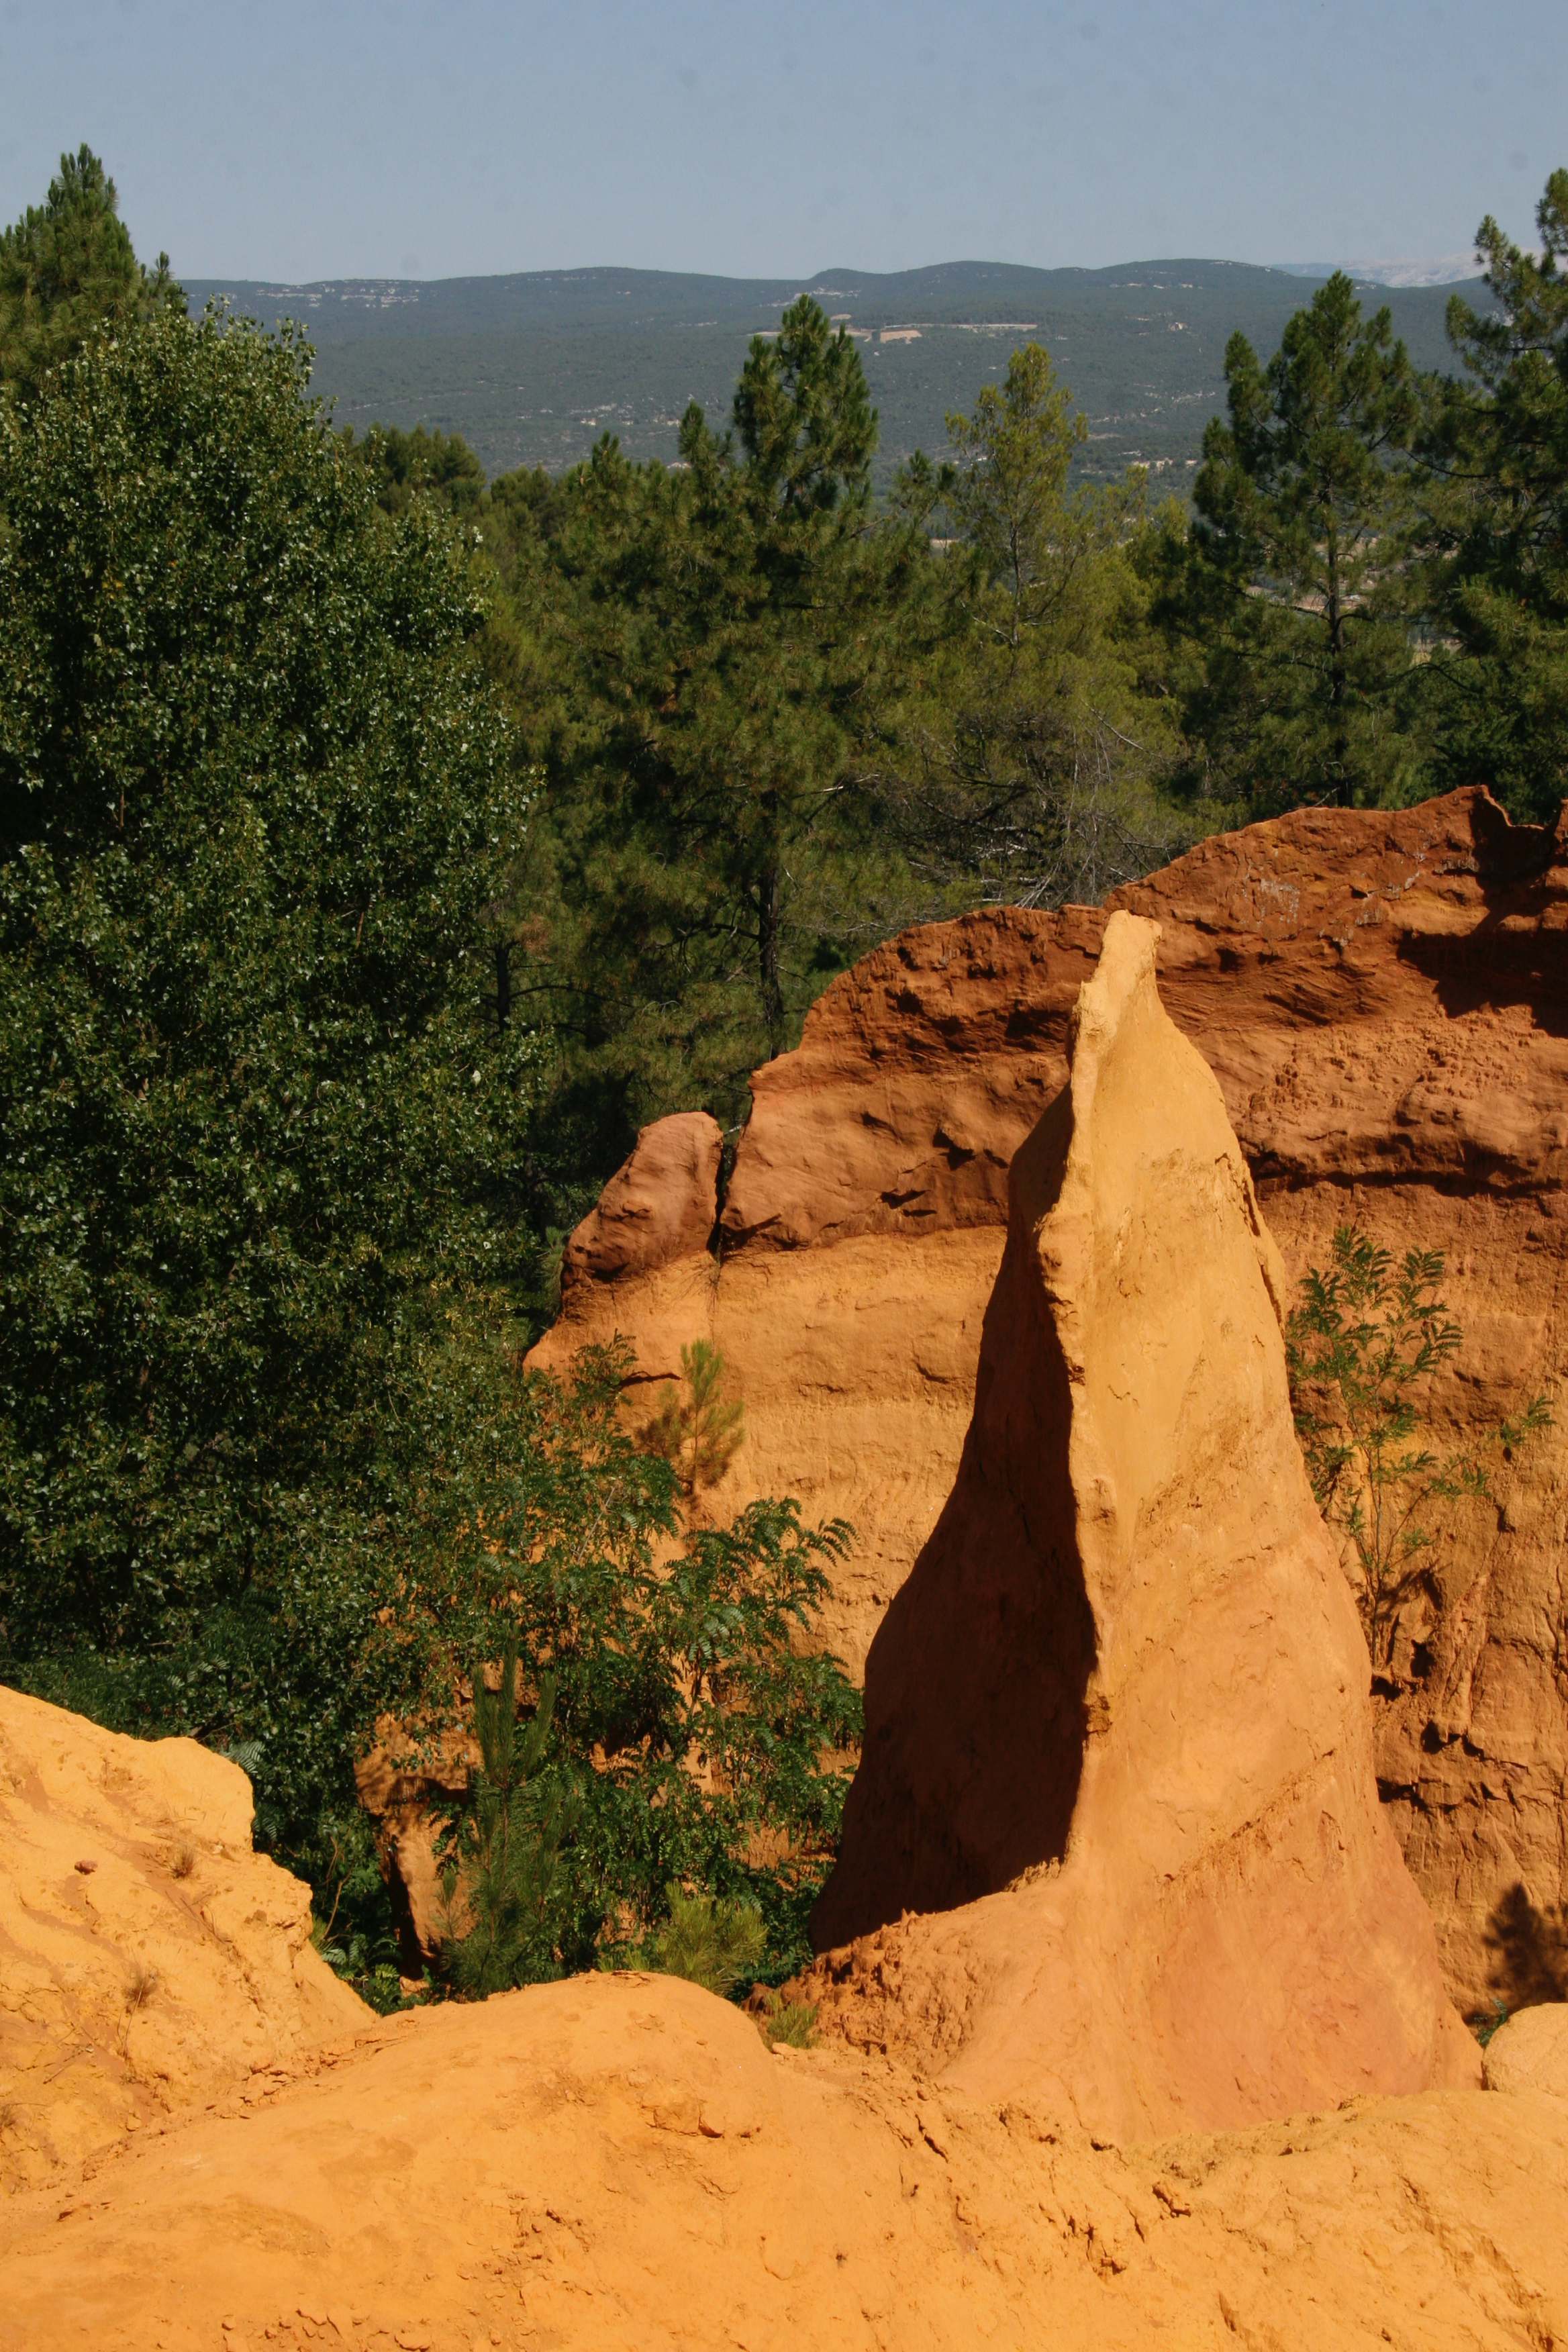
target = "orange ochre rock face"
x: 1383, y: 999
x: 1125, y: 1681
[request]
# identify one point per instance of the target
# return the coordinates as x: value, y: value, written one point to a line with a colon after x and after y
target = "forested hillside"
x: 530, y: 369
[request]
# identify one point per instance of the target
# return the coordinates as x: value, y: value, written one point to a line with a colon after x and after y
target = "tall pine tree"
x: 1289, y: 609
x: 1496, y: 525
x: 733, y: 627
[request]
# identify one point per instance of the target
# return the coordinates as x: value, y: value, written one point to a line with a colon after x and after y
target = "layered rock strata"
x: 1384, y: 1000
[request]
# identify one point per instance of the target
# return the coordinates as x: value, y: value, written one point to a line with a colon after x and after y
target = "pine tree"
x: 1032, y: 772
x: 698, y: 1434
x: 715, y: 1943
x: 504, y: 1871
x: 1290, y: 606
x: 1496, y: 526
x: 68, y: 267
x: 732, y: 628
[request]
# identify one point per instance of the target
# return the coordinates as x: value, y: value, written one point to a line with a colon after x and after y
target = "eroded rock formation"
x: 1125, y: 1679
x: 147, y: 1955
x: 1384, y: 1000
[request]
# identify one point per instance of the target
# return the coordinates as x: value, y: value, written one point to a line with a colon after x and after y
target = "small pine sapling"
x: 503, y: 1872
x: 792, y: 2022
x: 698, y: 1433
x: 1360, y: 1345
x: 712, y: 1943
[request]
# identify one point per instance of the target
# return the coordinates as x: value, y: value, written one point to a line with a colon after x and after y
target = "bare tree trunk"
x: 770, y: 987
x: 503, y: 982
x: 1336, y: 682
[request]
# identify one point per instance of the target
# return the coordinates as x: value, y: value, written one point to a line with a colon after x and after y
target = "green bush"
x: 701, y: 1734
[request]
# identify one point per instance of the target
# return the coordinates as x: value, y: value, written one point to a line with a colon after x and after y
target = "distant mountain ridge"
x: 533, y: 368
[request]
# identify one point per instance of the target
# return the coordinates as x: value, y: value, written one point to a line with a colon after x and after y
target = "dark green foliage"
x: 68, y: 268
x: 504, y: 1867
x: 404, y: 467
x: 357, y: 1936
x: 716, y: 1945
x: 252, y: 794
x: 706, y: 1744
x: 1362, y: 1344
x: 1496, y: 526
x: 1295, y: 650
x: 728, y: 637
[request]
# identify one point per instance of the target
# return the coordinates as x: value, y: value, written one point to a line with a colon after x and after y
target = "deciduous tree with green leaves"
x: 707, y: 1741
x: 253, y: 1131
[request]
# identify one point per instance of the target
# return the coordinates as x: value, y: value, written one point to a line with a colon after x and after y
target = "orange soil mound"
x: 173, y: 1959
x: 617, y: 2163
x: 1384, y: 1000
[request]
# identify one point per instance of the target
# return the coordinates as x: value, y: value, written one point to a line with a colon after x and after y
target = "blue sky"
x: 301, y: 138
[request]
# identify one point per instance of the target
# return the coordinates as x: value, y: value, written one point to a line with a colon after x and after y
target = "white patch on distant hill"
x: 1447, y: 271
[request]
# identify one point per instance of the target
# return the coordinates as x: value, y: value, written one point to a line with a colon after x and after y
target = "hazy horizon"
x: 306, y: 144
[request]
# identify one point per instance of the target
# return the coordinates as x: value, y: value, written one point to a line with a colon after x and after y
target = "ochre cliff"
x: 1384, y: 1000
x: 1123, y: 1691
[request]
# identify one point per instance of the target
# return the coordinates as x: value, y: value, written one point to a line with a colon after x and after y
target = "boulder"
x: 1383, y: 997
x: 1123, y: 1693
x: 615, y: 2163
x: 659, y: 1207
x: 148, y: 1957
x: 1529, y: 2052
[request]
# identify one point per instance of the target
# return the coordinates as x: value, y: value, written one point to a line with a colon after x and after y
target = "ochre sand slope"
x: 617, y: 2163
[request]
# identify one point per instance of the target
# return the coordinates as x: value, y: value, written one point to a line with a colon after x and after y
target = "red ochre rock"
x: 1125, y: 1681
x: 1382, y: 998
